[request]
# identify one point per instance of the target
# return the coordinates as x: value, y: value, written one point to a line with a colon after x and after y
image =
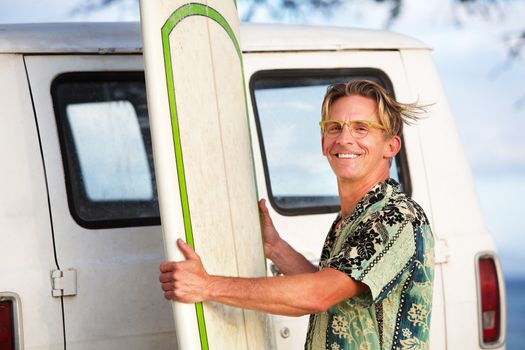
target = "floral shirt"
x: 386, y: 243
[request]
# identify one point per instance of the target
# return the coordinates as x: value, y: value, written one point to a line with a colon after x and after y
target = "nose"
x: 345, y: 136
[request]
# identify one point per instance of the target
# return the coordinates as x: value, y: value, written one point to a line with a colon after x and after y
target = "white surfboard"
x: 203, y: 161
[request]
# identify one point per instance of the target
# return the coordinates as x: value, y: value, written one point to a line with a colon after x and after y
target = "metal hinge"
x: 441, y: 251
x: 63, y: 282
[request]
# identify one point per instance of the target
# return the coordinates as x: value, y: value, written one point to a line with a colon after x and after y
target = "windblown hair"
x: 392, y: 114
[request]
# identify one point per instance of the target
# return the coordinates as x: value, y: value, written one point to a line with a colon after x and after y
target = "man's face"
x: 358, y: 160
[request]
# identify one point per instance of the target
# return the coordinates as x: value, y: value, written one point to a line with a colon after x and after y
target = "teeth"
x: 346, y: 155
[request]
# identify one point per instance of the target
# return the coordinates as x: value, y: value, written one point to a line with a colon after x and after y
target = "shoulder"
x: 405, y: 208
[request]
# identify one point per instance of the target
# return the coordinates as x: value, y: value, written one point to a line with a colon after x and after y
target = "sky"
x: 485, y: 89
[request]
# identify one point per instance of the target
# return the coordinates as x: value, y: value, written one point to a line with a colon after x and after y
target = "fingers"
x: 186, y: 283
x: 262, y: 206
x: 167, y: 266
x: 186, y: 250
x: 184, y: 280
x: 169, y: 269
x: 167, y: 279
x: 171, y: 281
x: 265, y: 214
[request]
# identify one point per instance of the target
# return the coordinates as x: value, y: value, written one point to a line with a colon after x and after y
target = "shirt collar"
x: 376, y: 194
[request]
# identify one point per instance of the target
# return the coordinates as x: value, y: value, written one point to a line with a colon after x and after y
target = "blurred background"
x: 479, y: 52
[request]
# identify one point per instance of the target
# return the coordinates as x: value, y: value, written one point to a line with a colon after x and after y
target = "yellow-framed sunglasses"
x: 358, y: 128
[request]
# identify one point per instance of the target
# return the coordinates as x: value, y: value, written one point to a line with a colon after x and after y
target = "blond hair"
x: 392, y: 114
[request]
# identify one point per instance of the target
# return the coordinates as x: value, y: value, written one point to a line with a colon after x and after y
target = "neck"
x: 350, y: 193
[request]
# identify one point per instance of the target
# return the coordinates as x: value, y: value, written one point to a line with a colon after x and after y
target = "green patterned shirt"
x: 386, y: 243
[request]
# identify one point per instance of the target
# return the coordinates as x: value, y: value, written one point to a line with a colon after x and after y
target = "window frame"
x: 278, y: 74
x: 75, y: 189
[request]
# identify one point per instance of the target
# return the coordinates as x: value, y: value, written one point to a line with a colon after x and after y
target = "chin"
x: 348, y: 177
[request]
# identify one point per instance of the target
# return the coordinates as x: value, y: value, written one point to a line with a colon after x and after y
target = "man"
x: 373, y: 286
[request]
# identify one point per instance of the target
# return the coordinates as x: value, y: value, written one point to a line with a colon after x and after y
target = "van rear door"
x: 92, y: 114
x: 30, y: 317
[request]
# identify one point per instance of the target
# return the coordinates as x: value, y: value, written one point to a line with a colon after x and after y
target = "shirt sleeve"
x: 378, y: 254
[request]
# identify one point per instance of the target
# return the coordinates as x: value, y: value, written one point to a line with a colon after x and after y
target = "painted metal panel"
x: 26, y: 242
x: 119, y: 304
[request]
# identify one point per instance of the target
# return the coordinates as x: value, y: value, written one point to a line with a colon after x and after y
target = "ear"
x: 322, y: 145
x: 392, y: 147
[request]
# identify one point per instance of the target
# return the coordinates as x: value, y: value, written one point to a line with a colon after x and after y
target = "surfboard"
x: 203, y: 162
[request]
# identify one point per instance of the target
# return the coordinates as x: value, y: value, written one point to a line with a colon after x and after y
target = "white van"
x: 80, y: 235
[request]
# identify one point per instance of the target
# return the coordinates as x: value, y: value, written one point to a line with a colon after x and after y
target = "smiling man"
x: 373, y: 286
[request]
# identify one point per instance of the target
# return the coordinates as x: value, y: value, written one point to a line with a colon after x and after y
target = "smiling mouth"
x: 347, y: 155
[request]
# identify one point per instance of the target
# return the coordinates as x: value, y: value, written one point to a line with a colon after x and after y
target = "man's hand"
x: 287, y: 259
x: 185, y: 281
x: 270, y: 234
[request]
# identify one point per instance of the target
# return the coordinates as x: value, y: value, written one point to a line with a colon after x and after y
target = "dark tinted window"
x: 106, y: 146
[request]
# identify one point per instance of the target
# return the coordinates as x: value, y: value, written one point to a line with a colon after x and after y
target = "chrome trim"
x: 502, y: 300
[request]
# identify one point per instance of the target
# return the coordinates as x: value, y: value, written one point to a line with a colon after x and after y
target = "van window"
x: 106, y: 146
x: 288, y: 110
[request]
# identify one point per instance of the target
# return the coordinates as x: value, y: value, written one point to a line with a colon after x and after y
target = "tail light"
x: 10, y: 322
x: 7, y: 326
x: 491, y: 310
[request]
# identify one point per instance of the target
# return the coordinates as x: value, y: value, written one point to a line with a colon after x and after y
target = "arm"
x: 288, y: 260
x: 188, y: 282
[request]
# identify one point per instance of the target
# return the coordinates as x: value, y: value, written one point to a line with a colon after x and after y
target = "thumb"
x: 262, y: 207
x: 186, y: 250
x: 265, y: 214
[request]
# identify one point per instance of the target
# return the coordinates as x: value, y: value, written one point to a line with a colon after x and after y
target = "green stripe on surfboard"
x: 188, y: 10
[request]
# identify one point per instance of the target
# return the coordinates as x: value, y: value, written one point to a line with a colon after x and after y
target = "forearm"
x: 187, y: 281
x: 262, y: 294
x: 289, y: 261
x: 295, y: 295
